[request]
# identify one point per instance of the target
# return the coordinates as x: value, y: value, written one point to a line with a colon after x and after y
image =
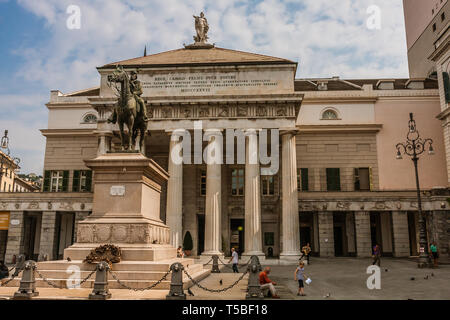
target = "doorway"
x: 65, y: 223
x: 31, y: 235
x: 338, y: 242
x: 201, y: 234
x: 237, y: 235
x: 375, y: 229
x: 413, y: 248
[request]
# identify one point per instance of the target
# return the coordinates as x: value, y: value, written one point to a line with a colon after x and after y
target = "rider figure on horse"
x: 136, y: 90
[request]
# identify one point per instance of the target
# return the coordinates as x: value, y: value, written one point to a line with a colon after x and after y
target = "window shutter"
x: 47, y: 177
x: 370, y: 179
x: 304, y: 179
x: 89, y: 181
x: 65, y: 184
x: 76, y: 181
x: 356, y: 178
x: 446, y: 86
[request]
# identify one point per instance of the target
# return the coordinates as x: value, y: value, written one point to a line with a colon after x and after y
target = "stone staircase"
x: 135, y: 274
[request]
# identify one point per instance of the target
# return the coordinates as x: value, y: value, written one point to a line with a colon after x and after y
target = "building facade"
x: 328, y: 175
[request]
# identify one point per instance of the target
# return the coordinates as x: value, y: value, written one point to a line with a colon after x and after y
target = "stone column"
x: 400, y: 234
x: 363, y: 238
x: 174, y: 208
x: 253, y: 233
x: 213, y: 216
x: 47, y: 241
x: 15, y: 234
x: 326, y: 234
x: 290, y: 218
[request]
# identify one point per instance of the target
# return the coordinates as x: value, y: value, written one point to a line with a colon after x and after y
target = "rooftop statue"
x: 201, y: 27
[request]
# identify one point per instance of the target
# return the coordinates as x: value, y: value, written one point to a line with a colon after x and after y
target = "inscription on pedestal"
x: 117, y: 191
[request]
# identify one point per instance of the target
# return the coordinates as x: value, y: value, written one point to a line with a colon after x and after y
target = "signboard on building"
x: 4, y: 220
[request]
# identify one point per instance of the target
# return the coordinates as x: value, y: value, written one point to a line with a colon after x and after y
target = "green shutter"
x: 47, y: 178
x: 304, y: 180
x: 76, y: 181
x: 65, y: 186
x: 446, y: 86
x: 89, y: 181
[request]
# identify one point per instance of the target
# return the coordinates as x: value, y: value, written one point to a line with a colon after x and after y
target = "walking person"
x: 376, y: 255
x: 434, y: 253
x: 300, y: 275
x: 235, y: 260
x: 180, y: 252
x: 266, y: 283
x: 306, y: 251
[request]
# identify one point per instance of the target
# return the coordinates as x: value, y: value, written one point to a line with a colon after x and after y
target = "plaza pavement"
x: 332, y: 279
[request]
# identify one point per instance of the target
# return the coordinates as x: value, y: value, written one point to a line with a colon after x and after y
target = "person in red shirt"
x: 266, y: 283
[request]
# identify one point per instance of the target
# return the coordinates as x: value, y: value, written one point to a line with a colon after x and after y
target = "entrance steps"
x: 135, y: 274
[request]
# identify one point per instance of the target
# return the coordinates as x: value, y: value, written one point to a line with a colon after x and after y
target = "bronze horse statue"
x: 125, y: 112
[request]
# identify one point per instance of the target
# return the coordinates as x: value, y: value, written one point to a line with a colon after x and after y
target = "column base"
x: 289, y: 258
x: 261, y: 256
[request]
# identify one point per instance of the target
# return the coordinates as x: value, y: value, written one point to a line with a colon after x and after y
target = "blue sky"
x: 39, y: 53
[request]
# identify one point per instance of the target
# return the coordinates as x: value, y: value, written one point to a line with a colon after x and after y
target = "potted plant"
x: 188, y: 244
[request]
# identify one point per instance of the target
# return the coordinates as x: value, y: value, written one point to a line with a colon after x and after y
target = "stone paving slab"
x: 340, y: 278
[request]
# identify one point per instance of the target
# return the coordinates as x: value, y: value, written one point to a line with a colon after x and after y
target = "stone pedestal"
x: 127, y: 189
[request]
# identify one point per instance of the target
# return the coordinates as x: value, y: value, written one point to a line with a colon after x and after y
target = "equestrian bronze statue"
x: 130, y: 109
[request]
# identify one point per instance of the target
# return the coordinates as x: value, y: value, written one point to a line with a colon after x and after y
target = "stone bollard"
x: 215, y: 265
x: 27, y: 288
x: 254, y: 289
x: 101, y: 291
x: 176, y: 284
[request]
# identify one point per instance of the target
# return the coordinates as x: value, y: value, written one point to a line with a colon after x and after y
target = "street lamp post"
x: 413, y: 147
x: 4, y: 147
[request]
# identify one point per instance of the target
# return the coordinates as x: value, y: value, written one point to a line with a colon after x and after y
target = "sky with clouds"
x: 39, y: 53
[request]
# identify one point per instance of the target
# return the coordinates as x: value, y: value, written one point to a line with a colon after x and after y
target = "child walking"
x: 300, y: 275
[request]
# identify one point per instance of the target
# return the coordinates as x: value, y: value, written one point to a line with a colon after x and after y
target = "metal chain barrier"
x: 139, y: 289
x: 214, y: 290
x: 208, y: 262
x: 2, y: 284
x: 56, y: 286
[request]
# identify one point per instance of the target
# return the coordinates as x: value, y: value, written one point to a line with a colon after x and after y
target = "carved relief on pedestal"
x: 281, y: 112
x: 187, y: 112
x: 102, y: 233
x: 85, y: 233
x: 119, y: 233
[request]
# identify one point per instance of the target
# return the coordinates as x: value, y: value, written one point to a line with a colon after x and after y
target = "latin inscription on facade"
x: 209, y: 83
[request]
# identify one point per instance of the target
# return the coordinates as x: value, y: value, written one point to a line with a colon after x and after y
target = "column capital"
x: 289, y: 131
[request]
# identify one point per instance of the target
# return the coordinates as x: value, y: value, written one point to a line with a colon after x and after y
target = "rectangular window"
x: 268, y: 185
x: 434, y: 27
x: 56, y: 181
x: 362, y: 179
x: 333, y: 179
x: 82, y: 181
x: 237, y: 182
x: 203, y: 182
x: 443, y: 16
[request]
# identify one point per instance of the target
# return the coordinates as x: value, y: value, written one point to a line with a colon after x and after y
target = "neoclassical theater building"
x: 338, y: 184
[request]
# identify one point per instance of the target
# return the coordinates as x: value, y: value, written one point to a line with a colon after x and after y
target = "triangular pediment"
x: 198, y: 57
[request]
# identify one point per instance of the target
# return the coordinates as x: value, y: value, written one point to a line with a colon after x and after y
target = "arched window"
x: 90, y: 118
x: 329, y: 115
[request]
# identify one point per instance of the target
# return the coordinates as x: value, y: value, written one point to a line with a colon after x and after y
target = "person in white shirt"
x: 235, y: 260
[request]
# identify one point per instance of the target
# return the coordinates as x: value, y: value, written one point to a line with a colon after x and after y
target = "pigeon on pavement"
x: 190, y: 292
